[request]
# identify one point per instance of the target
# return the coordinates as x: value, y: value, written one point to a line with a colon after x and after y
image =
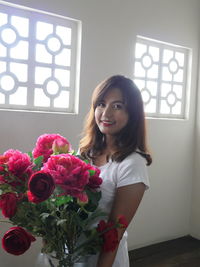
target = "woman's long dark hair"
x: 132, y: 138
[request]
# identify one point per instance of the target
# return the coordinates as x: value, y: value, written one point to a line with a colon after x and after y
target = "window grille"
x: 39, y: 60
x: 160, y: 72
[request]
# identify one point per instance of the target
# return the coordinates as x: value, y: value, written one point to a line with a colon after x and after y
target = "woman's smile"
x: 107, y: 123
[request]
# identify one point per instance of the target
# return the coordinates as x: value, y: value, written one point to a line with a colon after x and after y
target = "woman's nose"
x: 107, y: 113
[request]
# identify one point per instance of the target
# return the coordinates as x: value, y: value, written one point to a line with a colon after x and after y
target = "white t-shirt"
x: 131, y: 170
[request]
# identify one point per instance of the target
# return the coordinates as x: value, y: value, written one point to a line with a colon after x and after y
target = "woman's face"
x: 111, y: 115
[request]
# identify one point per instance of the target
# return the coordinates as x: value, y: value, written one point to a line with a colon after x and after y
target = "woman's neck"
x: 110, y: 144
x: 105, y: 155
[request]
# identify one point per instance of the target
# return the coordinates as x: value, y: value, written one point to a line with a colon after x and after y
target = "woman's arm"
x: 126, y: 202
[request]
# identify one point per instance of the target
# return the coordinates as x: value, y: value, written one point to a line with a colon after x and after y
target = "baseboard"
x: 175, y: 246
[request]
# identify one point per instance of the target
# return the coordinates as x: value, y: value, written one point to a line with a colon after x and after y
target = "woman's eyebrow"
x: 118, y: 101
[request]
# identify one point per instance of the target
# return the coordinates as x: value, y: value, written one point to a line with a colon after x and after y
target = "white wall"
x: 108, y: 35
x: 195, y: 212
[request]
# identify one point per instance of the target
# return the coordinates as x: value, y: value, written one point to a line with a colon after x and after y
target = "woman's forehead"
x: 113, y: 93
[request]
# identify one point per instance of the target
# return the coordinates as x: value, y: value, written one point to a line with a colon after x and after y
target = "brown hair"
x: 132, y: 137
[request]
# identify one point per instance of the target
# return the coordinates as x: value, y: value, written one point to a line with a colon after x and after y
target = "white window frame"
x: 160, y: 65
x: 74, y: 69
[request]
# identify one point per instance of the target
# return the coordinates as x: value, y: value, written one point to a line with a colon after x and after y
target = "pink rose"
x: 69, y: 172
x: 16, y: 241
x: 8, y: 204
x: 47, y: 144
x: 41, y: 185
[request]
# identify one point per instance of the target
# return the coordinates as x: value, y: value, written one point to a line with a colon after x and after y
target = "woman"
x: 115, y: 141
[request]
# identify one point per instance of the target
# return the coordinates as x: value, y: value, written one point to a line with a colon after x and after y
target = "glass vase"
x: 44, y: 260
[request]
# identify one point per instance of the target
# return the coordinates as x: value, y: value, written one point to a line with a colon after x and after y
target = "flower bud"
x: 59, y: 146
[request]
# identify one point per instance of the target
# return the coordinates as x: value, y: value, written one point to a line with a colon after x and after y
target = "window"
x: 160, y: 72
x: 39, y: 60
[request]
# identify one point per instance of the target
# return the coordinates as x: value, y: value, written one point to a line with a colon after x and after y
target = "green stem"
x: 5, y: 222
x: 50, y: 262
x: 93, y: 237
x: 83, y: 209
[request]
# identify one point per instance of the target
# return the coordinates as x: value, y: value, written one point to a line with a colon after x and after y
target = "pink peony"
x: 48, y: 144
x: 70, y: 173
x: 14, y: 162
x: 18, y: 162
x: 8, y: 204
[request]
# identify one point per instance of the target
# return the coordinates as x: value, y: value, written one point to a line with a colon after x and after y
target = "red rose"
x: 94, y: 180
x: 122, y: 221
x: 8, y: 204
x: 109, y: 234
x: 16, y: 241
x: 41, y: 185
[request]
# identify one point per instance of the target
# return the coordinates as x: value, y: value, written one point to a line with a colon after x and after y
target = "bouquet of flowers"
x: 54, y: 194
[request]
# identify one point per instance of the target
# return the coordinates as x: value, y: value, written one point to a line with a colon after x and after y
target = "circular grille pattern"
x: 53, y: 44
x: 8, y: 35
x: 147, y: 61
x: 8, y: 82
x: 52, y: 87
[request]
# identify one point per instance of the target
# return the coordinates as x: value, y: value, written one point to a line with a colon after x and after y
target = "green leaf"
x: 73, y: 153
x: 62, y: 222
x: 94, y: 217
x: 92, y: 172
x: 93, y: 196
x: 5, y: 188
x: 61, y: 200
x: 78, y: 221
x: 38, y: 163
x: 30, y: 154
x: 44, y: 215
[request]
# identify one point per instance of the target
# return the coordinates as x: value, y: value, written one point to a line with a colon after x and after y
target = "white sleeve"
x: 132, y: 170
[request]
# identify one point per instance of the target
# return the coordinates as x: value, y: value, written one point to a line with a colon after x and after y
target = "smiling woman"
x: 115, y: 141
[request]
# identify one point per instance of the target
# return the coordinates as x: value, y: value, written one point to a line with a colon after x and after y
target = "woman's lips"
x: 107, y: 123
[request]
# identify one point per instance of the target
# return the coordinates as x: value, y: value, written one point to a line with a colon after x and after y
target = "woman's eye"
x: 101, y: 105
x: 117, y: 106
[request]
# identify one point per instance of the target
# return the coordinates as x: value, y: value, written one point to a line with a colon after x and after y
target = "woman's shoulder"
x: 134, y: 158
x: 132, y: 170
